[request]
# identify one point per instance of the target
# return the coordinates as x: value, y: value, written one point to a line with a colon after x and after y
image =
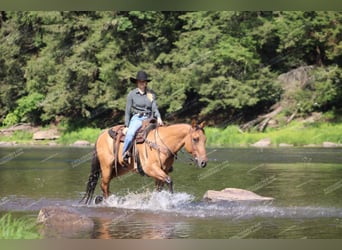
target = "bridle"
x: 165, y: 149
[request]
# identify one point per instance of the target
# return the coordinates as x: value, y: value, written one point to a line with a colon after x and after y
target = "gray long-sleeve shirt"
x: 137, y: 102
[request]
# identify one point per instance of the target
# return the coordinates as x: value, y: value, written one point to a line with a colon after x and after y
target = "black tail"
x: 93, y: 178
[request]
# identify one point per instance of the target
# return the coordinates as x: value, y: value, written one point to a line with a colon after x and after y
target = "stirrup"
x: 126, y: 157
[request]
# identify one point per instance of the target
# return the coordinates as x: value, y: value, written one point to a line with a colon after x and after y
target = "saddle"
x: 116, y: 132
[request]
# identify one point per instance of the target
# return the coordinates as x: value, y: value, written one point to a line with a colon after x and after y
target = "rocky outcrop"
x: 328, y: 144
x: 262, y: 143
x: 81, y: 143
x: 63, y: 221
x: 7, y: 143
x: 233, y: 194
x: 19, y: 127
x: 50, y: 134
x: 285, y: 145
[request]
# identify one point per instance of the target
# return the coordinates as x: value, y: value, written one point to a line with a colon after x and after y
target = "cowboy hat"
x: 141, y: 75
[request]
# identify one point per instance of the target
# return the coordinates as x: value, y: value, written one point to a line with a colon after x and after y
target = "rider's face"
x: 142, y: 84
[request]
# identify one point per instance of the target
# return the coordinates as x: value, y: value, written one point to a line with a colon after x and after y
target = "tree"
x: 216, y: 57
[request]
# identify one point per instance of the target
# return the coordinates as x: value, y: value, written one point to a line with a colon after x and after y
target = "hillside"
x: 250, y: 69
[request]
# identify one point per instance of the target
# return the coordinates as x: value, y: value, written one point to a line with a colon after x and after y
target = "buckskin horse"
x: 154, y: 156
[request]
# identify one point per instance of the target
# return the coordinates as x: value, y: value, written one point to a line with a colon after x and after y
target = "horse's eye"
x: 195, y: 140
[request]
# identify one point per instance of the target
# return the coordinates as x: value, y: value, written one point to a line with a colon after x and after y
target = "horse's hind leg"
x: 106, y: 172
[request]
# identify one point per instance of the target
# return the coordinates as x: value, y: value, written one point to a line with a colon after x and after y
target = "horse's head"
x: 195, y: 144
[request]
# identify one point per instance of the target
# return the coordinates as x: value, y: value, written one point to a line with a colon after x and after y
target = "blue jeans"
x: 133, y: 127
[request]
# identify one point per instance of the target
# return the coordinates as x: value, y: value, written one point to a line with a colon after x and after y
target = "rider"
x: 141, y: 104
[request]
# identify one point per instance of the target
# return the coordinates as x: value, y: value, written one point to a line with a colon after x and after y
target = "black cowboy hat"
x: 141, y: 75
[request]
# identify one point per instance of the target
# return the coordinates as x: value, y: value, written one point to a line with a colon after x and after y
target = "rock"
x: 266, y: 142
x: 81, y: 143
x: 233, y: 194
x: 18, y: 127
x: 315, y: 116
x: 63, y: 221
x: 327, y: 144
x: 51, y: 134
x: 273, y: 123
x: 285, y: 145
x: 7, y: 144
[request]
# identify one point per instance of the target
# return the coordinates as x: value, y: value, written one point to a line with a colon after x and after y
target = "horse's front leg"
x: 159, y: 175
x: 160, y: 184
x: 170, y: 185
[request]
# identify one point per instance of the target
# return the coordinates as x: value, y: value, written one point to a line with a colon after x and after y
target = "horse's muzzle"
x: 201, y: 163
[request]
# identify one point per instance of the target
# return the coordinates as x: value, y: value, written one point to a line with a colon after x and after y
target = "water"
x: 305, y: 182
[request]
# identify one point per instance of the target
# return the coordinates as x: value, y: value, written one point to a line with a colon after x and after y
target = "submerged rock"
x: 233, y: 194
x: 63, y: 222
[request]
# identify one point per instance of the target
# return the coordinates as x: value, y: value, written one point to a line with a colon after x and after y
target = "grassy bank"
x: 18, y: 228
x: 18, y: 136
x: 87, y: 134
x: 297, y: 134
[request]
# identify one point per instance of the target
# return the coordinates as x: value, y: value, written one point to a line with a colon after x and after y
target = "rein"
x: 164, y: 148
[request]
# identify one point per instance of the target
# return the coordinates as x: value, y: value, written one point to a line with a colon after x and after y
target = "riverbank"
x: 297, y: 134
x: 18, y: 228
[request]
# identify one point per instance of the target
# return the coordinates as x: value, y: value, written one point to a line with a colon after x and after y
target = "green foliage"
x: 88, y: 134
x: 75, y: 65
x: 18, y: 228
x: 27, y: 110
x: 297, y: 134
x: 301, y: 37
x: 322, y: 92
x: 18, y: 137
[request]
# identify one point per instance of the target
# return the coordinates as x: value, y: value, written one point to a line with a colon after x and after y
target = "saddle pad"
x: 141, y: 134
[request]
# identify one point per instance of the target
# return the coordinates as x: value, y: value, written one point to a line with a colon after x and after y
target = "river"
x: 305, y: 182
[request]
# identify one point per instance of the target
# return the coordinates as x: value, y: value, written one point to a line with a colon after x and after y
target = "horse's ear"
x: 202, y: 124
x: 193, y: 123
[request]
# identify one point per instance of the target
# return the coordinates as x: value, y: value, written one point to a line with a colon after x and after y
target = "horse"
x: 156, y: 156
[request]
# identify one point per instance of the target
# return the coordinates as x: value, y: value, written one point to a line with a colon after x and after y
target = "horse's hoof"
x: 98, y: 199
x: 170, y: 169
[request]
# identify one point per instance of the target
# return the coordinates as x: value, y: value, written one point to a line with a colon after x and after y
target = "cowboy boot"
x: 126, y: 157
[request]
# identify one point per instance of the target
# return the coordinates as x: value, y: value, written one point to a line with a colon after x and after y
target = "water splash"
x: 150, y: 200
x: 184, y: 204
x: 180, y: 204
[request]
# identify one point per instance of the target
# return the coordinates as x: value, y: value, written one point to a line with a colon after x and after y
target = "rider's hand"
x: 124, y: 131
x: 160, y: 121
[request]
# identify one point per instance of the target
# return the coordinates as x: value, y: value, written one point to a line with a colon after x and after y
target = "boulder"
x: 233, y: 194
x: 81, y: 143
x: 311, y: 145
x: 328, y: 144
x: 61, y: 221
x: 18, y: 127
x: 266, y: 142
x: 51, y: 134
x: 6, y: 144
x: 285, y: 145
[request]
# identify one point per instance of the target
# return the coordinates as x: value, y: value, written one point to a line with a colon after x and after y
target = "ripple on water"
x: 184, y: 204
